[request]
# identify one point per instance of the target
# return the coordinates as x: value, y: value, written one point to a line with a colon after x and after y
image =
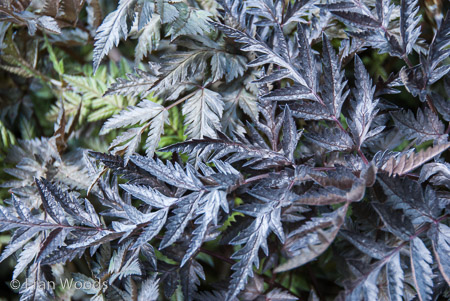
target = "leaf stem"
x: 180, y: 100
x: 339, y: 124
x: 361, y: 154
x: 256, y: 178
x: 407, y: 61
x: 431, y: 105
x: 218, y: 256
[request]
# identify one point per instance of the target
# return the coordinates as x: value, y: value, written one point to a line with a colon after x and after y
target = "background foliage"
x: 288, y: 149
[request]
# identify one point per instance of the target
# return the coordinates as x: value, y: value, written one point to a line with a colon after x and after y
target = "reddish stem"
x: 362, y: 156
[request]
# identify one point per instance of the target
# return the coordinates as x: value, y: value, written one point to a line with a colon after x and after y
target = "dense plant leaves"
x: 254, y: 237
x: 426, y: 126
x: 277, y: 163
x: 148, y: 115
x: 251, y: 147
x: 312, y: 239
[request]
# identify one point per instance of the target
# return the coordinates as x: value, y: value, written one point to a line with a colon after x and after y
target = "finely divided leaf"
x: 408, y: 24
x: 426, y: 126
x: 139, y: 114
x: 331, y: 139
x: 363, y: 107
x: 312, y: 239
x: 333, y: 89
x: 421, y: 261
x: 202, y: 112
x: 113, y: 28
x: 406, y: 162
x: 440, y: 238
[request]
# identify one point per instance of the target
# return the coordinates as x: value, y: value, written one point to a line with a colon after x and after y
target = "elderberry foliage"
x: 231, y: 150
